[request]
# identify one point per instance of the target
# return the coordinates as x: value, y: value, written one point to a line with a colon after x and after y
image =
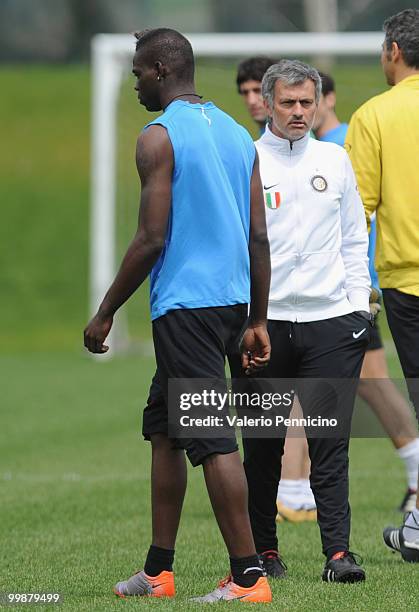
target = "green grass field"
x: 75, y: 510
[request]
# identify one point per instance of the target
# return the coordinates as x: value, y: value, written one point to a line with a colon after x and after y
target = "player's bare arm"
x: 255, y: 345
x: 154, y: 158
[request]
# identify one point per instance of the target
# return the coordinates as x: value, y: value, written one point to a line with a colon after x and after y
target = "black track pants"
x: 333, y: 348
x: 402, y: 311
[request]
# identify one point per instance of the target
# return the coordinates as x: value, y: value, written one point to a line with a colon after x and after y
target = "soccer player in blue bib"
x: 202, y: 238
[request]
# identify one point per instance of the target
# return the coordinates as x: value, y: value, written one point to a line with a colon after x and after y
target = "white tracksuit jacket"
x: 317, y: 230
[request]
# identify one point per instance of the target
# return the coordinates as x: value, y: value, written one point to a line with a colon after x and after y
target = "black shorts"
x: 375, y: 337
x: 192, y: 343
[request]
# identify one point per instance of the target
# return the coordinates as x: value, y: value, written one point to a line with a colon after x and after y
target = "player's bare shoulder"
x: 153, y: 150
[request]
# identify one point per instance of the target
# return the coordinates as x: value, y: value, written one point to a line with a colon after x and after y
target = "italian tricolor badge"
x: 273, y: 200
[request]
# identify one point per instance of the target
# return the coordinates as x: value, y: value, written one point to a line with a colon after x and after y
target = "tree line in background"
x: 61, y: 30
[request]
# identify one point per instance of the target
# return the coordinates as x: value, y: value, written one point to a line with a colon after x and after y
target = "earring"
x: 158, y: 78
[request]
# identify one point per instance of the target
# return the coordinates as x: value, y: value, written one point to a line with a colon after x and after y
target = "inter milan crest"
x: 319, y: 183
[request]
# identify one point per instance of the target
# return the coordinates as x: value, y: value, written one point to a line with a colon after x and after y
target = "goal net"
x: 117, y: 120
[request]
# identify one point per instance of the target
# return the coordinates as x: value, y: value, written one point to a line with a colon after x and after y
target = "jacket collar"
x: 284, y: 146
x: 413, y: 79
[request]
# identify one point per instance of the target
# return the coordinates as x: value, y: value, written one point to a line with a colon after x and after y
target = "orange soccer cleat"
x: 228, y: 590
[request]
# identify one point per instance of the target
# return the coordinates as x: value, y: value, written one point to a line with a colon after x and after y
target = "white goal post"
x: 111, y: 57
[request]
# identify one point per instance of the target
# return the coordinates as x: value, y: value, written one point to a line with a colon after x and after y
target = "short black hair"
x: 253, y: 69
x: 169, y: 47
x: 403, y: 29
x: 328, y: 83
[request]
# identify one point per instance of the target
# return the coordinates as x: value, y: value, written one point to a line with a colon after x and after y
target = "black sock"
x: 246, y: 571
x: 158, y: 560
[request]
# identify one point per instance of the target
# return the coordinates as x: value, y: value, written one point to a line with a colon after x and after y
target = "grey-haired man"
x: 318, y: 314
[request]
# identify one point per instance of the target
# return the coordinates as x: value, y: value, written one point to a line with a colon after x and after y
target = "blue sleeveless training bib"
x: 205, y: 260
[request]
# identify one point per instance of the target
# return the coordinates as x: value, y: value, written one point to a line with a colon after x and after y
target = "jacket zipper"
x: 297, y: 262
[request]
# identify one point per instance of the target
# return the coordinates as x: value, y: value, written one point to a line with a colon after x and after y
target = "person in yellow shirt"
x: 383, y: 144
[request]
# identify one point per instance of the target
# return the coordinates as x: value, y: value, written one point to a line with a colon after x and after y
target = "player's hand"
x: 96, y: 333
x: 375, y: 299
x: 375, y: 308
x: 255, y: 348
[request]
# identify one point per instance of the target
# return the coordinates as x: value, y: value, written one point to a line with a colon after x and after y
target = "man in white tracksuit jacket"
x: 318, y: 312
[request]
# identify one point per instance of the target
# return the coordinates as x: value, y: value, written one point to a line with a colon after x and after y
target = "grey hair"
x: 290, y: 72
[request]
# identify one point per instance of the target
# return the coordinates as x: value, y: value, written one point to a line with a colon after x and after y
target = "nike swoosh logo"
x: 356, y: 335
x: 270, y: 186
x: 246, y: 595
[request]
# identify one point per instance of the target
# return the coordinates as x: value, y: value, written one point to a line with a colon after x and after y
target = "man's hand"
x: 375, y: 299
x: 96, y: 333
x: 255, y: 348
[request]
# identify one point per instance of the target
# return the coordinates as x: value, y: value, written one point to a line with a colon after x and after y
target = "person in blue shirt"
x: 202, y: 239
x: 375, y: 388
x: 327, y: 126
x: 249, y: 85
